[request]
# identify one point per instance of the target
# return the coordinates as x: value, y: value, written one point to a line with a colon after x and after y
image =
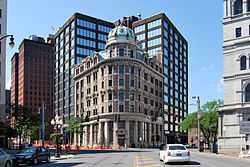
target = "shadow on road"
x: 52, y: 164
x: 187, y: 163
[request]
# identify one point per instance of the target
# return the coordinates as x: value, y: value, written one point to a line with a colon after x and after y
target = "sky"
x: 199, y: 21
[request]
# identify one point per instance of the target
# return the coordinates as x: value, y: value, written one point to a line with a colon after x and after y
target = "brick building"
x: 32, y: 75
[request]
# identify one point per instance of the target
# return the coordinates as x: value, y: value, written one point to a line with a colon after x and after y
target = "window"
x: 121, y: 108
x: 110, y: 108
x: 104, y: 28
x: 140, y: 28
x: 102, y: 37
x: 121, y: 82
x: 110, y: 82
x: 121, y: 69
x: 85, y: 23
x: 121, y: 95
x: 121, y: 52
x: 238, y: 32
x: 140, y: 37
x: 243, y: 63
x: 248, y: 5
x: 86, y: 33
x: 154, y: 42
x: 247, y: 93
x: 154, y: 23
x: 238, y: 7
x: 154, y: 33
x: 85, y: 42
x: 110, y: 69
x: 110, y: 96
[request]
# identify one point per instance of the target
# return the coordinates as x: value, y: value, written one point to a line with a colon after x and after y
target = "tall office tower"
x: 3, y: 31
x: 157, y: 35
x: 236, y: 48
x: 32, y: 75
x: 78, y: 38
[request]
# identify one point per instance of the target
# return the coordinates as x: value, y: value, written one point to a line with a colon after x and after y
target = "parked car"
x: 32, y: 155
x: 5, y: 159
x: 174, y: 153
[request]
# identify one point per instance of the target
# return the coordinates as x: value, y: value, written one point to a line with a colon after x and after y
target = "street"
x: 145, y: 158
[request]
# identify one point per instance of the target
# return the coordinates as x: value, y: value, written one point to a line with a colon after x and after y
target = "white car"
x: 174, y: 153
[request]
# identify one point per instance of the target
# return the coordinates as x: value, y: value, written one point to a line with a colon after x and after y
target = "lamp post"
x: 197, y: 98
x: 11, y: 43
x: 57, y: 122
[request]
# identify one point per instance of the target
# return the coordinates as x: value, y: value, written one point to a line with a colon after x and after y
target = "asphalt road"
x: 145, y: 158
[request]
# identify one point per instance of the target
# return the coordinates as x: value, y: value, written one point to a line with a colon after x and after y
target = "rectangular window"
x: 121, y: 52
x: 121, y: 69
x: 110, y: 108
x: 154, y: 33
x: 121, y: 108
x: 110, y: 96
x: 121, y: 82
x: 110, y: 82
x: 154, y: 23
x: 238, y: 32
x: 110, y: 69
x: 121, y: 95
x: 140, y: 28
x: 140, y: 37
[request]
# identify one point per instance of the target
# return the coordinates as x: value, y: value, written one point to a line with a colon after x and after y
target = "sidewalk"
x: 228, y: 155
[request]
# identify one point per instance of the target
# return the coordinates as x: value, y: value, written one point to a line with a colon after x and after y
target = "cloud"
x: 208, y: 68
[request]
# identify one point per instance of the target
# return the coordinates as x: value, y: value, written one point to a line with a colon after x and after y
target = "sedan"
x: 174, y: 153
x: 5, y: 159
x: 32, y: 155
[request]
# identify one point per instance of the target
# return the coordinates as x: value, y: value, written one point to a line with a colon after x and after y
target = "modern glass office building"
x: 158, y: 35
x: 79, y: 37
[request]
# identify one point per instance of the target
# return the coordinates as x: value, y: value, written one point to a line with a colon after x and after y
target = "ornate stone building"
x: 119, y: 94
x: 236, y: 47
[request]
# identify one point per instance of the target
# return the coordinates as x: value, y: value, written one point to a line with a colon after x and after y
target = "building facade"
x: 157, y: 35
x: 236, y: 26
x: 119, y: 95
x: 3, y: 31
x: 32, y: 75
x: 79, y: 37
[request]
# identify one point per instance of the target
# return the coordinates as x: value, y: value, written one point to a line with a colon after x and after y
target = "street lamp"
x: 197, y: 98
x: 11, y: 43
x: 57, y: 122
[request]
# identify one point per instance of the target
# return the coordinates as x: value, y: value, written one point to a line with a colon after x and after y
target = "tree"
x: 189, y: 122
x: 208, y: 121
x: 25, y: 123
x: 73, y: 126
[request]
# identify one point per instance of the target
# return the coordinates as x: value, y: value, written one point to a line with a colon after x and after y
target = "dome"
x: 121, y: 34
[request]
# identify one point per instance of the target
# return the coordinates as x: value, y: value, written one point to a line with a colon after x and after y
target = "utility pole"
x: 198, y: 118
x: 43, y: 124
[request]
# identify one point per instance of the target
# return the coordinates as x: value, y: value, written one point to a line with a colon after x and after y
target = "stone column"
x: 79, y: 139
x: 115, y: 136
x: 99, y: 133
x: 106, y: 133
x: 136, y: 134
x: 150, y: 134
x: 91, y: 135
x: 127, y: 137
x: 83, y: 136
x: 244, y: 6
x: 74, y: 140
x: 143, y: 132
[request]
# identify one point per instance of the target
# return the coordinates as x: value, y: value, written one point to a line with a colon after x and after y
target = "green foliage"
x: 189, y: 122
x: 26, y: 124
x: 73, y: 124
x: 55, y: 136
x: 208, y: 121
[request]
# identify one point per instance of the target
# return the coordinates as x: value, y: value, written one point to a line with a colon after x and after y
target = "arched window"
x: 248, y: 5
x: 243, y: 63
x: 247, y: 93
x: 238, y: 7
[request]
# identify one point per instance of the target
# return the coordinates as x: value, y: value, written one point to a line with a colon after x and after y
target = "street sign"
x: 245, y: 127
